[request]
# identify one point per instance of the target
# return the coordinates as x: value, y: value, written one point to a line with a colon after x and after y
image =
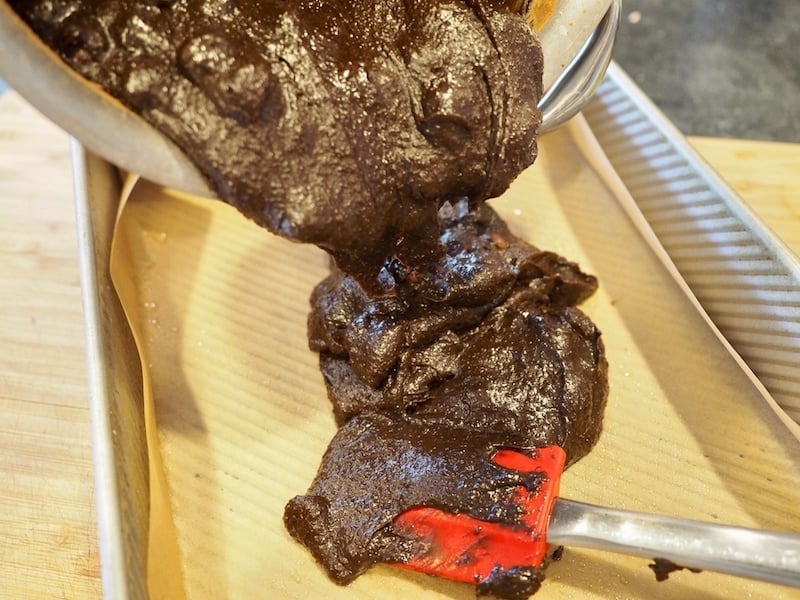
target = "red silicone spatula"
x: 463, y: 548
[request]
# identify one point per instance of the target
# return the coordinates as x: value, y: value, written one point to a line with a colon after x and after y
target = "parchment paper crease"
x: 237, y: 417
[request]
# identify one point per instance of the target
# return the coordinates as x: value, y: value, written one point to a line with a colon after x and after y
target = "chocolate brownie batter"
x: 500, y: 334
x: 401, y: 463
x: 343, y: 123
x: 427, y: 384
x: 376, y: 129
x: 662, y: 567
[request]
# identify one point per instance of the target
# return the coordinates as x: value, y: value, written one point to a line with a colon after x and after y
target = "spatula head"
x: 462, y: 548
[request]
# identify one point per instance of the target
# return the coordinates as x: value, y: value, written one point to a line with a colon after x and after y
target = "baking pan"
x: 709, y: 473
x: 745, y: 277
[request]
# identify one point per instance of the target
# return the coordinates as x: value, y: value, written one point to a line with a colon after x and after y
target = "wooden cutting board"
x: 48, y: 545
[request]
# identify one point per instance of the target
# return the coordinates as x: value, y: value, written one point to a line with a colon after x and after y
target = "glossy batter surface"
x: 341, y: 123
x: 428, y: 384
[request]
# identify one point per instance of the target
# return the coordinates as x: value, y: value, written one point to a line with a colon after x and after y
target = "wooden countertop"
x: 48, y: 542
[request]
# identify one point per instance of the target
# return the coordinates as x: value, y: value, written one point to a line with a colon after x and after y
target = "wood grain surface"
x: 48, y: 545
x: 766, y: 175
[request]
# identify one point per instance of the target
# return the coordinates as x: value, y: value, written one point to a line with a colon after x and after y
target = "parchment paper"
x: 238, y: 419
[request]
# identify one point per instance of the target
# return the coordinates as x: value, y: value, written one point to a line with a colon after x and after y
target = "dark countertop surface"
x: 721, y: 68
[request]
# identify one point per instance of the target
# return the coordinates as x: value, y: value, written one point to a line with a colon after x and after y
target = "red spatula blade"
x: 462, y: 548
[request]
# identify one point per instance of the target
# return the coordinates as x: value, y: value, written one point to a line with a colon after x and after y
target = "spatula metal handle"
x: 750, y: 553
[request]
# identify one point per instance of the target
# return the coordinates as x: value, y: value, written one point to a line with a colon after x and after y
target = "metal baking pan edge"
x: 115, y: 388
x: 744, y: 277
